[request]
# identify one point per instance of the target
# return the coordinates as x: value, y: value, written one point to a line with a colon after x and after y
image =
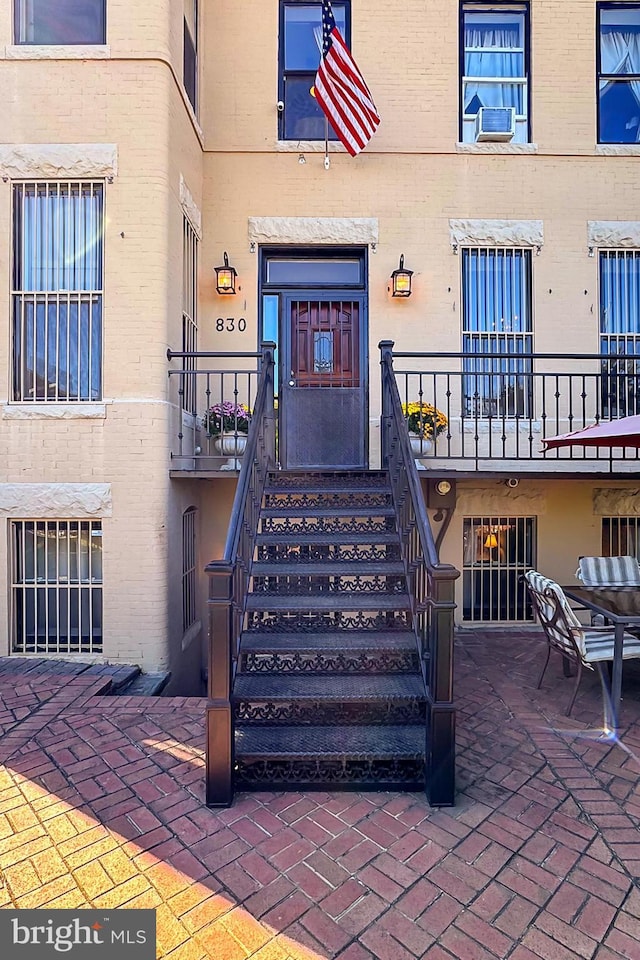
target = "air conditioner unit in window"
x: 496, y: 123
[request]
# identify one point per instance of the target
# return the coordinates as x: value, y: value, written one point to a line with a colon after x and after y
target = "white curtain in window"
x: 61, y: 237
x: 620, y: 54
x: 620, y: 292
x: 499, y: 56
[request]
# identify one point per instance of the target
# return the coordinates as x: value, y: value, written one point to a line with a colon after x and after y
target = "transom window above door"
x: 59, y: 21
x: 299, y: 56
x: 494, y: 59
x: 618, y: 59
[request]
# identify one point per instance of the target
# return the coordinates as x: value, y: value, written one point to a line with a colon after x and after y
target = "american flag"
x: 341, y: 91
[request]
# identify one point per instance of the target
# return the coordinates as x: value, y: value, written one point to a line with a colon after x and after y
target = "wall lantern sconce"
x: 226, y: 277
x: 401, y: 280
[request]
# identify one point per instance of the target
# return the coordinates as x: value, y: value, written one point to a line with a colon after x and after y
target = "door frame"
x: 287, y: 292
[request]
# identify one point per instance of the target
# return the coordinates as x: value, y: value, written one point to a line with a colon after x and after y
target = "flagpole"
x: 327, y: 162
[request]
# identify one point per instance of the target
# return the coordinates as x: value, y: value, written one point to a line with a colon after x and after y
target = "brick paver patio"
x: 101, y: 804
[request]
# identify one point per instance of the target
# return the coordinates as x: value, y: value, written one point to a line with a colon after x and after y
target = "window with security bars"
x: 497, y: 551
x: 497, y: 332
x: 59, y: 21
x: 189, y: 606
x: 621, y: 537
x: 57, y: 291
x: 620, y: 331
x: 189, y: 313
x: 56, y: 586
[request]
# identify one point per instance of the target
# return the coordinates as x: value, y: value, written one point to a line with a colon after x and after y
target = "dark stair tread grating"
x: 330, y: 742
x: 310, y: 513
x: 331, y: 568
x: 327, y: 537
x: 349, y: 481
x: 328, y: 686
x: 343, y: 602
x: 256, y: 641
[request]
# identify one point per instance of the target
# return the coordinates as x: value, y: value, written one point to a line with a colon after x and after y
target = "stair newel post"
x: 440, y: 709
x: 386, y: 360
x: 219, y: 746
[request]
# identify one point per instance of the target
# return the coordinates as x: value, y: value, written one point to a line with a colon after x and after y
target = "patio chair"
x: 564, y: 632
x: 609, y: 571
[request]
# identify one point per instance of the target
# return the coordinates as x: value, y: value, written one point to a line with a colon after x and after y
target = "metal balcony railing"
x: 500, y: 406
x: 202, y: 382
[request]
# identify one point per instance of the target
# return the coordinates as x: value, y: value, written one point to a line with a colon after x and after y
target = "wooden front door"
x: 323, y: 402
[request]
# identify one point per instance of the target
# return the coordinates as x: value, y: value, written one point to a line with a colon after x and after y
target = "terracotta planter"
x: 231, y: 445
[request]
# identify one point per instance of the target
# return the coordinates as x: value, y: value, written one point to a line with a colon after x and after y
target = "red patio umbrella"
x: 608, y: 433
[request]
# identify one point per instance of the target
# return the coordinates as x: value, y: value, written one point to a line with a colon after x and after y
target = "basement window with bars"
x: 621, y: 537
x: 189, y: 583
x: 189, y: 313
x: 497, y: 551
x: 57, y: 291
x: 620, y: 331
x: 56, y: 586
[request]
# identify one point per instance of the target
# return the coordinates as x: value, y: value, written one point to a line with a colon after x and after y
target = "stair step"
x: 330, y: 742
x: 328, y: 686
x: 325, y: 618
x: 264, y: 600
x: 311, y: 501
x: 120, y: 675
x: 145, y: 685
x: 258, y: 641
x: 373, y: 481
x: 321, y: 757
x: 327, y: 538
x: 310, y: 512
x: 334, y: 653
x: 334, y: 568
x: 329, y: 699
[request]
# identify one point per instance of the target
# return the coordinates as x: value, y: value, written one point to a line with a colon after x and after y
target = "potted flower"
x: 424, y: 423
x: 228, y: 424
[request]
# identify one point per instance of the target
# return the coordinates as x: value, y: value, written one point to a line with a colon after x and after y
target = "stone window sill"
x: 54, y: 411
x: 57, y: 51
x: 491, y: 147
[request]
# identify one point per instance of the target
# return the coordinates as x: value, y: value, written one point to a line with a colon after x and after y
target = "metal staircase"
x: 329, y: 689
x: 331, y: 625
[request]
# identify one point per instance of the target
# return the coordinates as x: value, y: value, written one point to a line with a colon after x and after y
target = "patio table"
x: 621, y: 606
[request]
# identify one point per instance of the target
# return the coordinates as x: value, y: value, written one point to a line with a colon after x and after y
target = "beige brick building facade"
x: 118, y: 113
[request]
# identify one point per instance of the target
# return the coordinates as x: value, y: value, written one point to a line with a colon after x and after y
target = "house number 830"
x: 230, y: 325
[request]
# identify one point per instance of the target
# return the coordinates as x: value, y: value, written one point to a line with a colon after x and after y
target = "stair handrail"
x: 431, y: 587
x: 228, y: 582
